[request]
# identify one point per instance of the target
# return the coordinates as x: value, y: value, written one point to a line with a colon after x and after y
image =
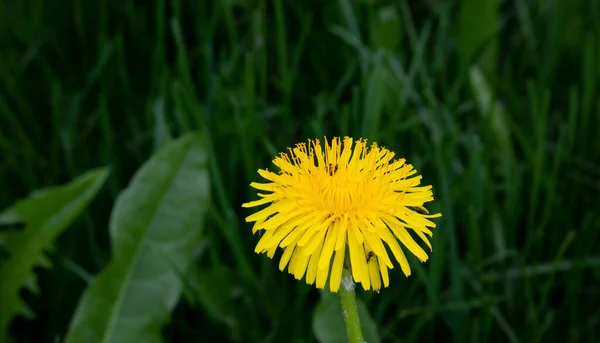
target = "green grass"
x: 495, y: 103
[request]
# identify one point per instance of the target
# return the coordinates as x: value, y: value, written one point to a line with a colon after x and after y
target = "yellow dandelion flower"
x: 341, y: 200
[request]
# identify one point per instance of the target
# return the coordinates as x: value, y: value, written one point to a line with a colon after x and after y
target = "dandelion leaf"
x: 43, y: 217
x: 155, y: 228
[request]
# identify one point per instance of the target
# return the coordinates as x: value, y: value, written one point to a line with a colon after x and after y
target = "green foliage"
x: 496, y: 103
x: 328, y: 320
x: 45, y: 214
x: 210, y: 287
x: 155, y: 229
x: 477, y: 38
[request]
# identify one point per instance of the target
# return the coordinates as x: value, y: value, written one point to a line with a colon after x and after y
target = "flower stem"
x: 349, y: 309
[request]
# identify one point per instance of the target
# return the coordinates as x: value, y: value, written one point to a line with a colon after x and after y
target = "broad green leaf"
x: 45, y: 214
x: 155, y: 228
x: 328, y: 322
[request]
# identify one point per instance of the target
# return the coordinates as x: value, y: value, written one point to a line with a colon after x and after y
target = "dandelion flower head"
x: 343, y: 199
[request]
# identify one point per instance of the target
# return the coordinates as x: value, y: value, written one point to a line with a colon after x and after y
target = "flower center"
x: 340, y: 193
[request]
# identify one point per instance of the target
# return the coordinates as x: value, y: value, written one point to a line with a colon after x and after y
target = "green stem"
x: 349, y: 309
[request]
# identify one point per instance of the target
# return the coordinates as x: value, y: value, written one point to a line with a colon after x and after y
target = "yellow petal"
x: 329, y: 245
x: 279, y: 234
x: 356, y: 254
x: 270, y: 187
x: 423, y: 238
x: 336, y: 270
x: 354, y: 229
x: 319, y: 228
x: 374, y: 273
x: 311, y: 274
x: 384, y: 274
x: 263, y: 242
x: 287, y: 254
x: 392, y: 242
x: 262, y: 201
x: 377, y: 246
x: 271, y: 252
x: 316, y: 240
x: 403, y: 235
x: 282, y: 217
x: 366, y: 280
x: 267, y: 211
x: 257, y: 226
x: 297, y: 233
x: 341, y: 237
x: 301, y: 264
x: 322, y: 277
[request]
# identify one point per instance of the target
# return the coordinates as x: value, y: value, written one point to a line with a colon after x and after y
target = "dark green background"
x: 495, y: 102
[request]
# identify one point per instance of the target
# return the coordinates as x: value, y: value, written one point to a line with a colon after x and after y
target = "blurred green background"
x: 496, y: 103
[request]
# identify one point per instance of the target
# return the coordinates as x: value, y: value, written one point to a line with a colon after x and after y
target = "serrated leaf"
x: 328, y: 322
x: 46, y: 214
x: 155, y: 227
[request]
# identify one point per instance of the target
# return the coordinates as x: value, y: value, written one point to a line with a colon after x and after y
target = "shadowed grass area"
x: 494, y: 102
